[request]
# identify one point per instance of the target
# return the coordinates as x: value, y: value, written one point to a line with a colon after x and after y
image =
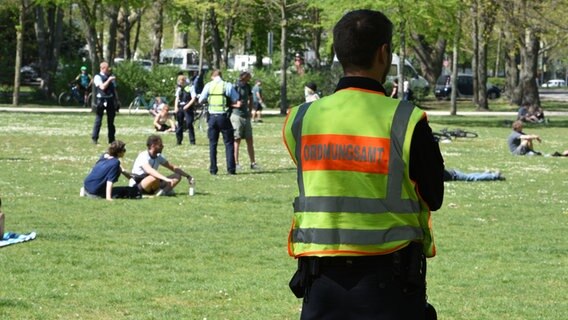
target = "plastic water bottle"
x: 192, y: 187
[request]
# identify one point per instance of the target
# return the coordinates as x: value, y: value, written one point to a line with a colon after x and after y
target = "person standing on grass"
x: 100, y: 181
x: 257, y: 102
x: 183, y: 108
x: 106, y: 96
x: 145, y: 173
x: 240, y: 119
x: 369, y: 174
x: 221, y: 97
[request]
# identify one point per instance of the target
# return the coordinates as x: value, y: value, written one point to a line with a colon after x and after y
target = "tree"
x: 49, y: 33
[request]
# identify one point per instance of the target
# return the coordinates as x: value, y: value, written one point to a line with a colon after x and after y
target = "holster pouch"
x: 308, y: 269
x: 431, y: 312
x: 298, y: 282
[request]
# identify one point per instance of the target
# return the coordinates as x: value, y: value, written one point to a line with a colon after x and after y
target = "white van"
x: 554, y: 83
x: 185, y: 59
x: 417, y: 83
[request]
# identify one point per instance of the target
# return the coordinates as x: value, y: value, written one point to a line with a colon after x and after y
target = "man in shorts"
x: 145, y: 170
x: 257, y: 101
x: 240, y: 119
x: 521, y: 144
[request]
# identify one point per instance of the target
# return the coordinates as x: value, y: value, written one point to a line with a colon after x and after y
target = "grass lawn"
x: 221, y: 254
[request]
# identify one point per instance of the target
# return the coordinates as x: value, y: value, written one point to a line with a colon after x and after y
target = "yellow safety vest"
x: 217, y: 99
x: 356, y: 198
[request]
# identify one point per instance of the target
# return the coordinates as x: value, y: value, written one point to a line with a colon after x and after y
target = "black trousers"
x: 185, y: 117
x: 220, y: 124
x: 99, y: 112
x: 388, y: 288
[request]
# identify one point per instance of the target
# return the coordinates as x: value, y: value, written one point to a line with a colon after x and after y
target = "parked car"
x: 28, y: 75
x: 465, y: 87
x: 554, y: 83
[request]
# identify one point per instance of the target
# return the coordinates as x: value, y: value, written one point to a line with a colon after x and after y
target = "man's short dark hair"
x: 358, y: 35
x: 153, y: 139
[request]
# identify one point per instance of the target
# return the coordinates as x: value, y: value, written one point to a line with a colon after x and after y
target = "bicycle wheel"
x: 65, y: 99
x: 89, y: 100
x: 442, y: 136
x: 134, y: 106
x: 469, y: 134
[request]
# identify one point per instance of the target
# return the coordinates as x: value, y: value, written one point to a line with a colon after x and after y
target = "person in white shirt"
x: 145, y: 170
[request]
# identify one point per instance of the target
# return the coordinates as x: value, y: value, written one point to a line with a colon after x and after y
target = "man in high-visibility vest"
x: 221, y: 96
x: 369, y: 173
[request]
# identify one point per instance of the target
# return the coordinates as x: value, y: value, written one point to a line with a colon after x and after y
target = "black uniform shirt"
x: 426, y: 162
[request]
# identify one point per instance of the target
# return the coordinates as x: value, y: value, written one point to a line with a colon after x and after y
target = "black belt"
x: 218, y: 114
x: 385, y: 259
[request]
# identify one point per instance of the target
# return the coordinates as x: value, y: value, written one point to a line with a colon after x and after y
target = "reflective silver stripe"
x: 355, y: 237
x: 297, y: 133
x: 396, y: 162
x: 352, y: 204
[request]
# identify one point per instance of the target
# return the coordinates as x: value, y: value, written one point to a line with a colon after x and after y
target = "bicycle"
x: 200, y: 116
x: 446, y: 135
x: 74, y: 94
x: 139, y: 101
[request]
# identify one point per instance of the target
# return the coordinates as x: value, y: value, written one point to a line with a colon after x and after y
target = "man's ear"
x: 385, y: 54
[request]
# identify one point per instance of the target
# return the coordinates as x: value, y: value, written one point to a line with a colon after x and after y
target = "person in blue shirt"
x: 100, y: 181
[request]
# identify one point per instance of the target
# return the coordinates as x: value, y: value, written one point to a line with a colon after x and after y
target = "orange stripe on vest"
x: 345, y: 153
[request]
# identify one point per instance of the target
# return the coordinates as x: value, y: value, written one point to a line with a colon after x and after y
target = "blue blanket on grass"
x: 9, y: 238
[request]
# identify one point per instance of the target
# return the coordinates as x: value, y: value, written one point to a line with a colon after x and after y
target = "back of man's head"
x: 357, y: 37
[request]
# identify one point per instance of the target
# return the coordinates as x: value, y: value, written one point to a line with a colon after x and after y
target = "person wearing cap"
x: 310, y: 92
x: 84, y: 81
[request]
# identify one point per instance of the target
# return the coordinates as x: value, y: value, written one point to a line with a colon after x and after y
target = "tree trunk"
x: 431, y: 57
x: 482, y: 103
x: 529, y: 67
x: 19, y: 52
x: 401, y: 58
x: 137, y: 33
x: 283, y: 59
x: 180, y: 37
x: 316, y: 31
x: 157, y: 30
x: 455, y: 58
x: 49, y: 30
x: 112, y: 15
x: 475, y: 44
x: 216, y: 38
x: 89, y: 16
x: 202, y: 42
x: 232, y: 8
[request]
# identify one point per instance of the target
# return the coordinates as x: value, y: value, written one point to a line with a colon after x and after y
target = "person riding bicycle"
x: 83, y: 82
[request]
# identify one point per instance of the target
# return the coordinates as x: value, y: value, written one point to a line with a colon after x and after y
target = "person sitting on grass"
x: 100, y: 181
x: 456, y: 175
x: 163, y: 121
x: 520, y: 143
x: 145, y: 173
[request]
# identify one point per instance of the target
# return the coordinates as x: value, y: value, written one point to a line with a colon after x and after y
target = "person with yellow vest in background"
x: 221, y: 97
x: 369, y: 173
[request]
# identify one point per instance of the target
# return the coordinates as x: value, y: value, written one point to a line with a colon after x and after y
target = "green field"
x: 502, y: 251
